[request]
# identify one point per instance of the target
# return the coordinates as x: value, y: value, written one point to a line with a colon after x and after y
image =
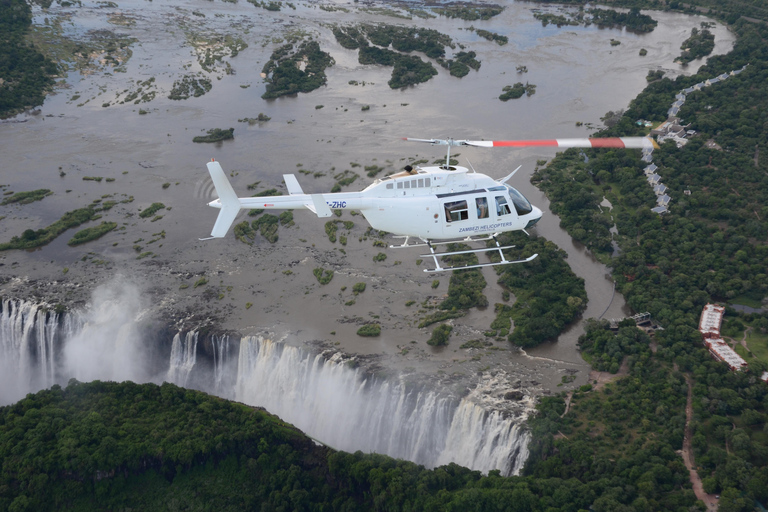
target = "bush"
x: 358, y: 288
x: 323, y: 276
x: 440, y: 335
x: 369, y: 330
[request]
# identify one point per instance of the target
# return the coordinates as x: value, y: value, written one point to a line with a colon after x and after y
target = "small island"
x: 216, y: 135
x: 469, y: 12
x: 293, y: 70
x: 190, y: 86
x: 374, y: 42
x: 492, y: 36
x: 511, y: 92
x: 700, y: 44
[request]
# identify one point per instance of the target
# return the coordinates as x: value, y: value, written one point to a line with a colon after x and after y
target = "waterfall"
x: 335, y: 403
x: 39, y: 347
x: 29, y: 336
x: 324, y: 395
x: 485, y: 440
x: 221, y: 360
x: 183, y: 358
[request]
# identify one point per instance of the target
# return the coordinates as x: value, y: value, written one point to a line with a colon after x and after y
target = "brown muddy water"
x: 270, y: 287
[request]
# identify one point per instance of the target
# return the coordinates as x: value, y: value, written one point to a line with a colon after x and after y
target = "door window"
x: 502, y: 206
x: 456, y: 210
x: 482, y: 207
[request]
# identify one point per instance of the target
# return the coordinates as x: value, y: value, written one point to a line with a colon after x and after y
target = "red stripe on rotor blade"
x: 607, y: 143
x: 525, y: 143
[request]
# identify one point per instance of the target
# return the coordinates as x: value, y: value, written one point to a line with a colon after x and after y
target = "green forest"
x: 710, y: 247
x: 548, y: 295
x: 26, y: 73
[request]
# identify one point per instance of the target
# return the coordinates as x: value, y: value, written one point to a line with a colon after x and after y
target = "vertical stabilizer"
x: 230, y: 204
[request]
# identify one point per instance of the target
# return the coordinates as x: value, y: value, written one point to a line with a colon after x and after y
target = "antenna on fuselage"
x: 448, y: 155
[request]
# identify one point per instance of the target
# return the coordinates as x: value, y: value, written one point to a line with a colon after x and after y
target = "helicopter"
x: 435, y: 205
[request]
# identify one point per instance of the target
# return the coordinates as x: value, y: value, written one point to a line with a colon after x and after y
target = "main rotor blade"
x: 596, y: 142
x: 436, y: 142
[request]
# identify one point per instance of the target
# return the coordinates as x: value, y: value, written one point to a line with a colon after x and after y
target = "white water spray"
x: 108, y: 346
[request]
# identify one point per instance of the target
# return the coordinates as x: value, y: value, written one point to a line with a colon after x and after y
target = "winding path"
x: 698, y: 489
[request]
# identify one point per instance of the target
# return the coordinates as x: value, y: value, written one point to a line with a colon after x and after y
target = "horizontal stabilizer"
x: 293, y: 184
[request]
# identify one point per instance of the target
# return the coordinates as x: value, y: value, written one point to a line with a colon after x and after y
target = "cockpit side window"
x: 482, y: 207
x: 502, y: 207
x: 456, y: 210
x: 522, y: 205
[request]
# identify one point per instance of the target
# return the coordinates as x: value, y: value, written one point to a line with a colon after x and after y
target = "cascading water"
x: 39, y: 347
x: 183, y: 358
x: 221, y: 356
x: 324, y: 395
x: 29, y: 341
x: 336, y: 404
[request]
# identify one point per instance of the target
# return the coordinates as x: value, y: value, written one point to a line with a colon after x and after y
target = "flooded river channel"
x: 143, y: 149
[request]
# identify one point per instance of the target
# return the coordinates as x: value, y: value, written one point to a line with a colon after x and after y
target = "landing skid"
x: 435, y: 255
x: 428, y: 243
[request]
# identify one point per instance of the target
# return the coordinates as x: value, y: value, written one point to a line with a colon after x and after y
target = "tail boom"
x: 230, y: 205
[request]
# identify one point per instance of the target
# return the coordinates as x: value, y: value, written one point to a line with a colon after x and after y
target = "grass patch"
x: 758, y: 345
x: 267, y: 225
x: 323, y: 276
x: 476, y: 344
x: 88, y: 234
x: 746, y: 300
x: 153, y: 209
x: 440, y: 316
x: 369, y: 330
x: 27, y: 197
x: 31, y: 238
x: 244, y: 232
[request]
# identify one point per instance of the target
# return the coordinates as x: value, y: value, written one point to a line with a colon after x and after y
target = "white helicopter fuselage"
x: 432, y: 203
x: 438, y: 204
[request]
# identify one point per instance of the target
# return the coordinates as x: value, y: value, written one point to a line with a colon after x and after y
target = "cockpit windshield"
x: 522, y: 205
